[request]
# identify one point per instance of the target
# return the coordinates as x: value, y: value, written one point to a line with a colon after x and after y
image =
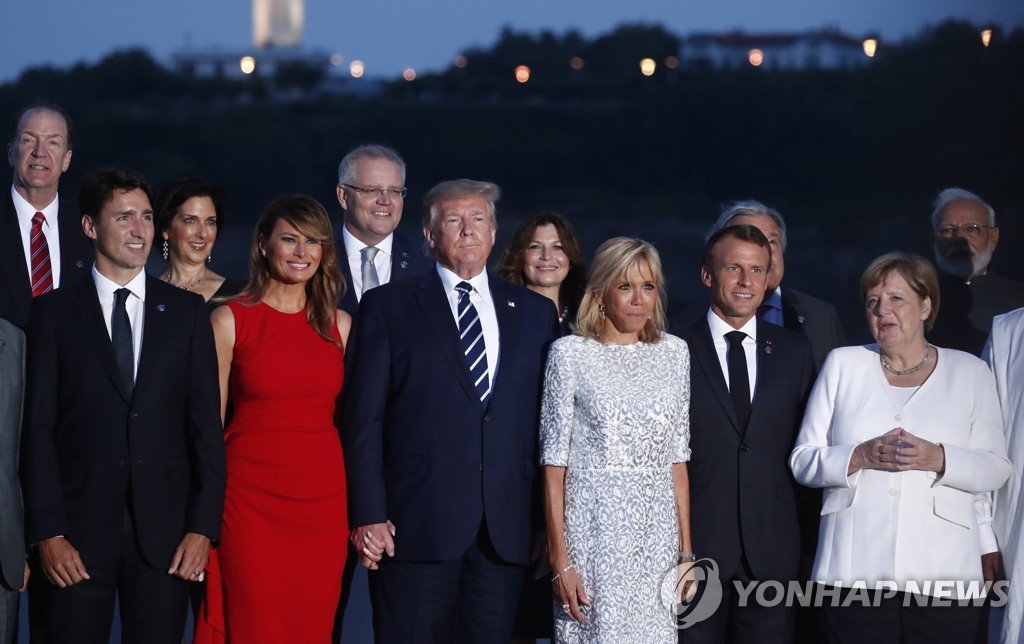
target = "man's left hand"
x: 190, y: 557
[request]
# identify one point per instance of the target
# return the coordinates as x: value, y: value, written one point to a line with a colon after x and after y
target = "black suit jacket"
x: 742, y: 496
x: 407, y: 260
x: 420, y: 447
x: 87, y: 440
x: 76, y: 255
x: 816, y: 319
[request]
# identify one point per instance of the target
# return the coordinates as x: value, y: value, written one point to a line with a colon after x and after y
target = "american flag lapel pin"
x: 511, y: 304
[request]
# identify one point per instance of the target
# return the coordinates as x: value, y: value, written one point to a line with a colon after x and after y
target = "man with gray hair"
x: 371, y: 192
x: 966, y: 236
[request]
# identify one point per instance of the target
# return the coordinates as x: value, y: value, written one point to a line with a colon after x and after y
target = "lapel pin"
x: 404, y: 264
x: 161, y: 308
x: 511, y: 304
x: 768, y: 347
x: 800, y: 319
x: 79, y: 264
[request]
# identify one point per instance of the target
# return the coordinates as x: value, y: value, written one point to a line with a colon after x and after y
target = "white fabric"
x: 901, y: 527
x: 718, y: 330
x: 1005, y: 355
x: 135, y: 304
x: 26, y: 212
x: 481, y: 298
x: 382, y: 261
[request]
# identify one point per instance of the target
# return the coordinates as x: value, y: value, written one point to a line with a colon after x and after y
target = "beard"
x: 955, y: 258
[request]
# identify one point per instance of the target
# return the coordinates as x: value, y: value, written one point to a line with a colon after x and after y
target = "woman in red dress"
x: 276, y: 575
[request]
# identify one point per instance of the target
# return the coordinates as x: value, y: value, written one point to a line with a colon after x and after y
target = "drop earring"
x: 165, y: 250
x: 209, y: 258
x: 601, y: 310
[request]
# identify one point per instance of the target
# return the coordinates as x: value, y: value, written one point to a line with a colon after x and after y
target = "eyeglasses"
x: 377, y: 193
x: 948, y: 230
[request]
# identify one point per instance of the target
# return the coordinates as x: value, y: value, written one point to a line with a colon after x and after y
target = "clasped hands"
x: 372, y: 541
x: 898, y: 451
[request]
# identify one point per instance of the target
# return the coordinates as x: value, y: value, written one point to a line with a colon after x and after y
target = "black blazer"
x: 407, y: 260
x: 816, y: 319
x: 76, y: 255
x: 742, y: 496
x: 420, y: 447
x: 86, y: 439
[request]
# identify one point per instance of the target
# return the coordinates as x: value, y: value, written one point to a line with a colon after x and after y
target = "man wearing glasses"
x: 371, y: 191
x: 971, y: 294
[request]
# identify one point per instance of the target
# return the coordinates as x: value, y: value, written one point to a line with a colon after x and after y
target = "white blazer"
x: 901, y: 527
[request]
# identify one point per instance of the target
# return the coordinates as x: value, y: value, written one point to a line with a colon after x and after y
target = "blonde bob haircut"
x: 916, y: 270
x: 613, y: 261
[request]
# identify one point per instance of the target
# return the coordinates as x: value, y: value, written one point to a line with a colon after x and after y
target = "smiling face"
x: 370, y: 217
x: 39, y: 154
x: 737, y: 278
x: 461, y: 235
x: 896, y: 313
x: 192, y: 231
x: 772, y: 231
x: 545, y: 264
x: 122, y: 234
x: 292, y: 257
x: 628, y: 304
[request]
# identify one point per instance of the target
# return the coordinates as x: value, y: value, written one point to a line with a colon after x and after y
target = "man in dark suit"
x: 123, y: 457
x: 41, y: 243
x: 749, y: 381
x: 440, y: 432
x: 371, y: 191
x: 13, y: 567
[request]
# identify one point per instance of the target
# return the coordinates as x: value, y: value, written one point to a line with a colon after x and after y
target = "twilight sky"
x: 389, y: 35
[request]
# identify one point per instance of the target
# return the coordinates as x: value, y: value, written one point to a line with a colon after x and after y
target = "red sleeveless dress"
x: 276, y: 575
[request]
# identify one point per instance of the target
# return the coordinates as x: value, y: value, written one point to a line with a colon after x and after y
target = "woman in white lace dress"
x: 614, y: 443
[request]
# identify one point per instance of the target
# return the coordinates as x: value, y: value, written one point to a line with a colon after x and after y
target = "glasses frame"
x: 377, y: 193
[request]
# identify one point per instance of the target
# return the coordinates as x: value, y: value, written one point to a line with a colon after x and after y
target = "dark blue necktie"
x: 471, y: 336
x: 121, y: 338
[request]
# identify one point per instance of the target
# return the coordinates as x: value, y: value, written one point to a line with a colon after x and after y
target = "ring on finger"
x: 565, y: 607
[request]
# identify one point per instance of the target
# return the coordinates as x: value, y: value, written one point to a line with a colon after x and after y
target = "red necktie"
x: 42, y: 273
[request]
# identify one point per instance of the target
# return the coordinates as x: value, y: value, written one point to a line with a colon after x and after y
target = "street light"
x: 247, y: 64
x: 522, y: 73
x: 870, y: 47
x: 647, y: 66
x: 756, y: 57
x: 986, y: 36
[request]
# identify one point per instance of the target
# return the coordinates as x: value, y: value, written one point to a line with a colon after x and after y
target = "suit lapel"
x: 703, y: 351
x: 508, y: 327
x: 155, y: 321
x: 767, y: 364
x: 401, y: 259
x: 12, y: 267
x: 434, y: 302
x: 74, y: 262
x: 792, y: 318
x: 86, y: 304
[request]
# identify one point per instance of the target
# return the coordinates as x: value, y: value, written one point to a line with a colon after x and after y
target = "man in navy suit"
x: 371, y: 191
x: 440, y: 432
x: 37, y: 231
x: 123, y: 467
x: 749, y: 381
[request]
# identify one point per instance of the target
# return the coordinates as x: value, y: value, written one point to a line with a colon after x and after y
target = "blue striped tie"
x: 471, y: 336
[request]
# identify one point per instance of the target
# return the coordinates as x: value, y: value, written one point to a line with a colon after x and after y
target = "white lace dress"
x: 617, y: 417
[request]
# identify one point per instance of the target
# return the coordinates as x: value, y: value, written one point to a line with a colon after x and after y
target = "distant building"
x: 824, y: 49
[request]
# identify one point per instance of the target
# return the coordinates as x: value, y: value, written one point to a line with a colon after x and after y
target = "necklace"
x: 906, y: 372
x: 185, y: 288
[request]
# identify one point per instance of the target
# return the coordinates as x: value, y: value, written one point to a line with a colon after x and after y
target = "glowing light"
x: 671, y: 62
x: 576, y: 63
x: 247, y: 64
x: 336, y: 59
x: 356, y: 68
x: 986, y: 36
x: 522, y: 73
x: 756, y: 57
x: 870, y: 47
x: 647, y: 66
x: 409, y: 74
x: 460, y: 61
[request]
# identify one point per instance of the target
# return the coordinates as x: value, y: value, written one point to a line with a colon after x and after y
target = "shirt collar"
x: 479, y: 283
x: 774, y: 299
x: 719, y: 327
x: 26, y: 210
x: 353, y: 246
x: 105, y: 288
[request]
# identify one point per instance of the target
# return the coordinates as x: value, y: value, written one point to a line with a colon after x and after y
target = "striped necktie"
x: 471, y: 337
x: 39, y: 250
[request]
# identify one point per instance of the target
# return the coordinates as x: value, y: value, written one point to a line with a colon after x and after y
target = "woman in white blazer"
x: 901, y: 435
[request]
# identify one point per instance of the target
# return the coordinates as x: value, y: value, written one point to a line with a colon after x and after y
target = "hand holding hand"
x: 686, y: 581
x: 190, y: 557
x: 372, y: 541
x: 879, y: 453
x: 61, y: 563
x: 915, y: 453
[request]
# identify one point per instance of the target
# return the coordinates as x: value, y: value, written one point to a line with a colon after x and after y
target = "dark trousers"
x: 153, y: 604
x: 899, y: 620
x: 8, y: 615
x: 468, y: 600
x: 749, y: 624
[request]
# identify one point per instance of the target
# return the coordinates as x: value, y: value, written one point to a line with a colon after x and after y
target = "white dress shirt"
x: 481, y: 298
x: 353, y: 253
x: 718, y: 330
x: 26, y: 212
x: 135, y: 305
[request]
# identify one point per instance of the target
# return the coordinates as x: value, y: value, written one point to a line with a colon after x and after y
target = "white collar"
x: 719, y: 327
x: 353, y: 246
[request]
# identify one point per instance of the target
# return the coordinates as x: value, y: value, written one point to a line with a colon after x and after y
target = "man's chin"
x: 960, y: 266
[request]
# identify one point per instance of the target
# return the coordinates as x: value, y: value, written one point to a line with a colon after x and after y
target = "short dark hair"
x: 44, y: 105
x: 180, y: 190
x: 742, y: 232
x: 100, y: 185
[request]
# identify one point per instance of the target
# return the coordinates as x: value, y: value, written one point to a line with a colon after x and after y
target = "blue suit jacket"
x: 420, y: 447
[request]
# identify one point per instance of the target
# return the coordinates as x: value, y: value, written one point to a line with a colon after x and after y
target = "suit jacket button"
x: 487, y: 419
x: 481, y: 467
x: 134, y: 414
x: 123, y: 462
x: 744, y: 447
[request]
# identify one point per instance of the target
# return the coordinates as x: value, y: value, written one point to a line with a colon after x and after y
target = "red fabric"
x: 39, y: 251
x: 276, y: 575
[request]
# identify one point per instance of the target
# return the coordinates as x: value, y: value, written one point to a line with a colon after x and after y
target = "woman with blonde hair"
x: 614, y: 443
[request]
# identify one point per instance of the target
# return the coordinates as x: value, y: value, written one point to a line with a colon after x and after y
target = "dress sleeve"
x: 681, y: 434
x: 815, y: 461
x: 558, y: 404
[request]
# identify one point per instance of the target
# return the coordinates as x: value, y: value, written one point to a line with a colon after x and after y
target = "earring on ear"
x: 209, y: 258
x: 165, y: 249
x: 601, y: 310
x: 263, y: 251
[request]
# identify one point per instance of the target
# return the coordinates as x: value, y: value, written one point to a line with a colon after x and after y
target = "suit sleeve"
x: 45, y: 514
x: 205, y: 433
x: 362, y: 430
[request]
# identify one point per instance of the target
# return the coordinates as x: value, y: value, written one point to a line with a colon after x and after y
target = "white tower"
x: 277, y: 23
